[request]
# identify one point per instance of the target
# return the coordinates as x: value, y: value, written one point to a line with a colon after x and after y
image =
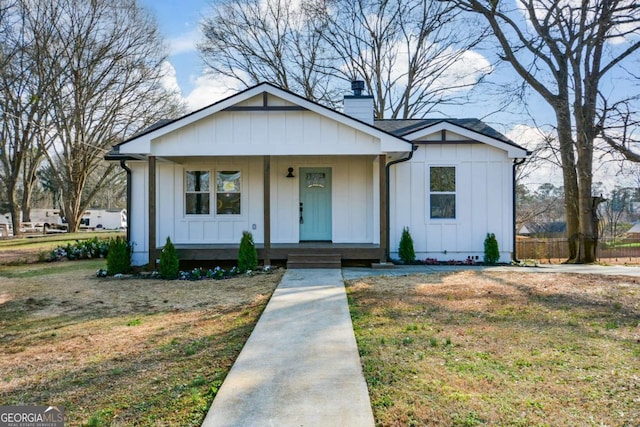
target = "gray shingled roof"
x: 402, y: 127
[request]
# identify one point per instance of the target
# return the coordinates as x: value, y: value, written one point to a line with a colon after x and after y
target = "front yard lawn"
x: 474, y: 348
x: 121, y: 351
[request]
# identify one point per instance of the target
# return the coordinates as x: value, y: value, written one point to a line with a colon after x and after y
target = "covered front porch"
x: 282, y: 253
x: 272, y: 207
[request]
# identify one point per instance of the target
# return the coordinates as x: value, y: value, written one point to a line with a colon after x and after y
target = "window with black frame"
x: 228, y: 193
x: 442, y: 192
x: 197, y: 193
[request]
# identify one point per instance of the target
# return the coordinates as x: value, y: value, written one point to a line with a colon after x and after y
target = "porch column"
x: 152, y: 212
x: 267, y: 210
x: 384, y: 210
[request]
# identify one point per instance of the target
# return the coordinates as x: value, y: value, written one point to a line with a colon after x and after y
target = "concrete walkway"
x: 300, y: 367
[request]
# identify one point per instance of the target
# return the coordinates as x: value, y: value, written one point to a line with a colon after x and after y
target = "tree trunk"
x: 14, y: 209
x: 26, y: 203
x: 570, y: 180
x: 73, y: 215
x: 587, y: 203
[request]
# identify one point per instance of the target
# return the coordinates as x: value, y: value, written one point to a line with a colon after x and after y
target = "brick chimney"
x: 359, y: 106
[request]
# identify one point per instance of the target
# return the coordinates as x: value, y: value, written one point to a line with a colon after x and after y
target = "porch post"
x: 152, y: 212
x: 384, y: 219
x: 267, y: 210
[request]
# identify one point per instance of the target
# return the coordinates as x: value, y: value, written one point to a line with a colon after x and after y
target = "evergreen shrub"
x: 491, y: 250
x: 169, y: 262
x: 247, y: 254
x: 118, y: 256
x: 406, y: 251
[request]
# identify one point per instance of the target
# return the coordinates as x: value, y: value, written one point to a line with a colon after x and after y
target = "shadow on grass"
x: 171, y: 379
x: 499, y: 349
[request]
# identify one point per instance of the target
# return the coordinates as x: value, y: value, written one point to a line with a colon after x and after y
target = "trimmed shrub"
x: 118, y: 256
x: 405, y: 251
x: 247, y: 254
x: 491, y: 251
x: 169, y: 262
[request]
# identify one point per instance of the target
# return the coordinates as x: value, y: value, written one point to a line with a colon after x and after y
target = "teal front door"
x: 315, y: 204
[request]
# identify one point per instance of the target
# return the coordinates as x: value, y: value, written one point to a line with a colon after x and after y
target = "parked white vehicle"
x: 106, y: 219
x: 48, y: 220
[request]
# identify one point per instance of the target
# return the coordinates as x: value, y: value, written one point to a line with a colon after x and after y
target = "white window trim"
x: 429, y: 193
x: 243, y: 191
x: 185, y: 192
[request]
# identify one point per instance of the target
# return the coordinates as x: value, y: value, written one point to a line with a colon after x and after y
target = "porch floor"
x: 280, y: 251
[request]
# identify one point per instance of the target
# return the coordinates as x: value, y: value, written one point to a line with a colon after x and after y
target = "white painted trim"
x: 427, y: 185
x: 512, y: 151
x: 388, y: 142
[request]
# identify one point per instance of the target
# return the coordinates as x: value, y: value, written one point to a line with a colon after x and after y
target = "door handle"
x: 301, y: 210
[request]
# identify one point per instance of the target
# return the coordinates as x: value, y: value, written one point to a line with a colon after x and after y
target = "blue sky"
x: 179, y: 23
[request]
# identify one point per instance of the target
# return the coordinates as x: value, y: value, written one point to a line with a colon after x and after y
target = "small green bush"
x: 81, y: 249
x: 169, y: 262
x: 118, y: 256
x: 491, y: 251
x: 405, y: 251
x: 247, y: 254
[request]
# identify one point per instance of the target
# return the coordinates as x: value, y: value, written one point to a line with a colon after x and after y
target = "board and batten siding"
x: 265, y: 133
x: 483, y: 202
x: 139, y: 222
x: 353, y: 196
x: 209, y: 228
x: 354, y: 201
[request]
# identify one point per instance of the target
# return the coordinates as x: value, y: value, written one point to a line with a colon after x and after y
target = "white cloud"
x: 541, y: 172
x: 525, y: 135
x: 185, y: 42
x: 209, y: 89
x: 169, y: 79
x: 464, y: 72
x: 463, y: 68
x: 626, y: 15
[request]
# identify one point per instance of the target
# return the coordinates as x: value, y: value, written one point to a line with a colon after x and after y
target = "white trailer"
x: 105, y: 219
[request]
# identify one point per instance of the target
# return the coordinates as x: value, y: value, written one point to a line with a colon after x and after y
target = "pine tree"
x: 169, y: 262
x: 405, y: 251
x: 491, y: 250
x: 247, y: 254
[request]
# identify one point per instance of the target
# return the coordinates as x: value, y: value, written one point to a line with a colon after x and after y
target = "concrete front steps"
x: 297, y: 261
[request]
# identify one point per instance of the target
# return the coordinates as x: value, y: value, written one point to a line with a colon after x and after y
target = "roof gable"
x: 423, y: 130
x: 262, y: 98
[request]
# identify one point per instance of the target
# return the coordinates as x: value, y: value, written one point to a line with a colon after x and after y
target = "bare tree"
x: 539, y: 208
x: 615, y: 210
x: 412, y: 54
x: 278, y: 41
x: 24, y: 35
x: 619, y: 127
x: 408, y: 51
x: 563, y: 50
x: 106, y: 58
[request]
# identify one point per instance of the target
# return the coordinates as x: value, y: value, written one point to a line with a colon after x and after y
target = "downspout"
x: 387, y: 169
x: 124, y: 166
x: 516, y: 163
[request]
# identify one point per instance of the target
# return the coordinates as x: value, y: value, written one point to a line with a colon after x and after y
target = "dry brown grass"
x: 478, y: 348
x: 121, y: 352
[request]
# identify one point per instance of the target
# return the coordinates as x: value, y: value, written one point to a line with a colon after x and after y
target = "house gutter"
x: 516, y: 163
x: 388, y: 204
x: 124, y: 166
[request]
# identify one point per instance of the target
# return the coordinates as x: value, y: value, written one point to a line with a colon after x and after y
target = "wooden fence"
x: 554, y: 249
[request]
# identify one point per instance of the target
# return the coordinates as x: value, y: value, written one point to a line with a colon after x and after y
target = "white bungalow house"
x: 307, y: 180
